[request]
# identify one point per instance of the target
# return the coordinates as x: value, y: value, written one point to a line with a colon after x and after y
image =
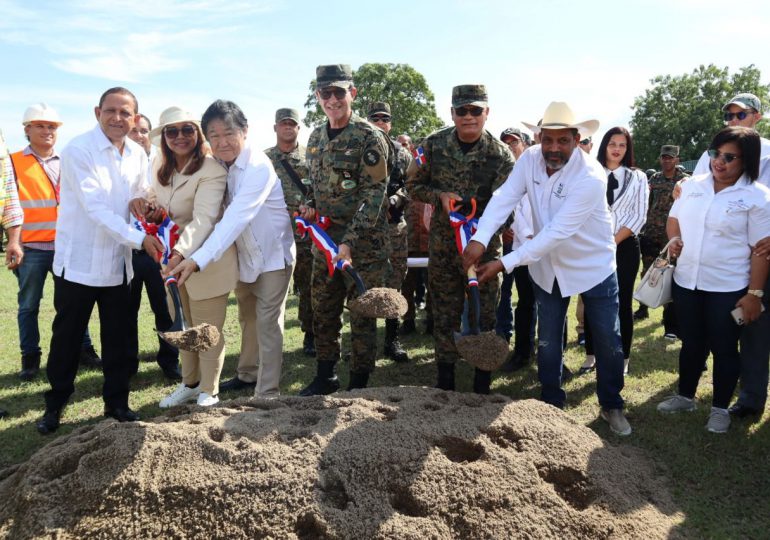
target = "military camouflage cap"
x: 340, y: 75
x: 511, y: 132
x: 378, y: 107
x: 745, y: 101
x: 469, y: 94
x: 287, y: 114
x: 669, y: 150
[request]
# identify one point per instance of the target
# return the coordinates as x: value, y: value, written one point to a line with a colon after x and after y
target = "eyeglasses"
x: 173, y: 132
x: 474, y: 111
x: 739, y: 115
x: 379, y: 118
x: 585, y: 142
x: 335, y: 91
x: 727, y: 158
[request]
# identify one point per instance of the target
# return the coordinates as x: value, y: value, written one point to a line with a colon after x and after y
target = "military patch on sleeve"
x: 371, y: 157
x: 419, y: 156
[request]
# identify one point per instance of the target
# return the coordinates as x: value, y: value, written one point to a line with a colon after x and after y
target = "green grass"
x: 721, y: 483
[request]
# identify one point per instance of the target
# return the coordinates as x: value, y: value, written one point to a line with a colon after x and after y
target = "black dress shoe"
x: 172, y: 372
x: 236, y: 384
x: 50, y: 421
x: 566, y: 374
x: 121, y: 415
x: 742, y: 411
x: 3, y: 413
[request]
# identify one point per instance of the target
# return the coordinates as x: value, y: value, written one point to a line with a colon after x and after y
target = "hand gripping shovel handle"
x: 179, y: 322
x: 474, y: 302
x: 357, y: 278
x: 462, y: 203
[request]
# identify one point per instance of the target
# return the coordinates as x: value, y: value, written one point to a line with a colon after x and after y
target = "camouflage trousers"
x: 329, y: 294
x: 302, y: 274
x: 447, y: 283
x: 397, y: 253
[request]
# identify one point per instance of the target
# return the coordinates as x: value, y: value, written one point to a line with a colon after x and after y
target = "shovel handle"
x: 474, y: 302
x: 357, y: 278
x: 179, y: 322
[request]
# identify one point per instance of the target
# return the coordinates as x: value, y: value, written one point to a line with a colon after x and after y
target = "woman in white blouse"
x: 627, y: 197
x: 715, y: 224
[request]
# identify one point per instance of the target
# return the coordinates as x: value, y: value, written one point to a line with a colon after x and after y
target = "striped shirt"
x: 631, y: 199
x: 13, y: 215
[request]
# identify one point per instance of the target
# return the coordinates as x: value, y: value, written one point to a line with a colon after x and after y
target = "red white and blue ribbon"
x: 167, y: 232
x: 464, y: 229
x: 322, y: 241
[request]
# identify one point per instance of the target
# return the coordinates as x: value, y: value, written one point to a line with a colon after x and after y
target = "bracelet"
x: 759, y: 293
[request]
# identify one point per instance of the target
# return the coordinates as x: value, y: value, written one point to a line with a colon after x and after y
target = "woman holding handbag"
x: 627, y: 197
x: 713, y: 226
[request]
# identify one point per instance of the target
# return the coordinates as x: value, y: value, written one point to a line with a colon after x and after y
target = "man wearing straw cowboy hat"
x: 572, y: 252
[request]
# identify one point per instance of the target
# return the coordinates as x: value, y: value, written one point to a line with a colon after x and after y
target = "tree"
x: 687, y: 111
x: 403, y: 87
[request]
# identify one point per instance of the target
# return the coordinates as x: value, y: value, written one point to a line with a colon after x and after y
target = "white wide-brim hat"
x: 558, y: 115
x: 172, y: 115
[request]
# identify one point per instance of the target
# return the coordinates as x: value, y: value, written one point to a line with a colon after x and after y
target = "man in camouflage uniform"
x: 287, y: 129
x: 456, y: 163
x: 379, y: 115
x: 348, y: 172
x: 654, y: 235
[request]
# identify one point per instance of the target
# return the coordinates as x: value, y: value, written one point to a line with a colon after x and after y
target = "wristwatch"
x: 759, y: 293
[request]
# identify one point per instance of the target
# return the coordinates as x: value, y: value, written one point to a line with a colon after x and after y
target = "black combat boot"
x: 393, y: 348
x: 30, y: 366
x: 324, y: 383
x: 446, y: 376
x: 407, y: 327
x: 641, y: 313
x: 89, y: 359
x: 308, y: 345
x: 481, y: 380
x: 358, y: 380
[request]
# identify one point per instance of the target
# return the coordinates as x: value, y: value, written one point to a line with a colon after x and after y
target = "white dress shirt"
x: 764, y: 163
x: 255, y: 219
x: 573, y: 239
x: 718, y: 230
x: 522, y: 223
x: 93, y: 235
x: 631, y: 197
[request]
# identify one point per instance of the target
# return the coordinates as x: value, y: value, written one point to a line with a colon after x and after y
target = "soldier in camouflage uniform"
x: 286, y: 148
x: 379, y: 115
x: 458, y: 162
x: 654, y: 236
x: 348, y: 171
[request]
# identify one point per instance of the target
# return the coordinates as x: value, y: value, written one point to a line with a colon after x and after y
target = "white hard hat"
x: 40, y: 112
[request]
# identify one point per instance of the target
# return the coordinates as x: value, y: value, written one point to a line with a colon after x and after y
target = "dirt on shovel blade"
x: 379, y: 303
x: 485, y: 351
x: 196, y: 339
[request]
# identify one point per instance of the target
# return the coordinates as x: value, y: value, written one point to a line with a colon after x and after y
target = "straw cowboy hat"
x: 558, y: 115
x: 173, y: 115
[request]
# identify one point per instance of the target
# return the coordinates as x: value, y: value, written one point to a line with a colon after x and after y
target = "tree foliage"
x: 687, y: 110
x: 403, y: 87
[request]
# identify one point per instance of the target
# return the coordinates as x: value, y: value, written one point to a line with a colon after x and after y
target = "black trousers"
x: 147, y: 274
x: 74, y: 303
x: 627, y: 258
x: 525, y: 314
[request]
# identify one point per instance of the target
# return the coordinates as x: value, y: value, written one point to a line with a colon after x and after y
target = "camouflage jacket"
x: 397, y: 182
x: 661, y: 199
x: 441, y: 166
x: 296, y: 158
x: 348, y: 177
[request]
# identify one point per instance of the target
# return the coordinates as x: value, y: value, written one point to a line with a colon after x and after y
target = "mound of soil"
x: 486, y: 350
x: 406, y: 463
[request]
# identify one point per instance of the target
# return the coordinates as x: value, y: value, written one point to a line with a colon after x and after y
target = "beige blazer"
x: 194, y: 202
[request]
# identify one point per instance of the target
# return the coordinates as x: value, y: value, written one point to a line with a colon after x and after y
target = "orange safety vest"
x: 37, y: 198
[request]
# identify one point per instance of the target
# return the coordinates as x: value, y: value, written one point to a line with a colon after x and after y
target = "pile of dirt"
x: 406, y: 463
x: 196, y: 339
x: 486, y: 350
x: 379, y: 303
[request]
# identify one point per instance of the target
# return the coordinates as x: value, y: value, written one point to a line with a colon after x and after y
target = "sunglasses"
x: 474, y: 111
x: 327, y: 93
x: 585, y: 141
x: 378, y: 118
x: 728, y: 158
x: 173, y: 132
x: 739, y: 115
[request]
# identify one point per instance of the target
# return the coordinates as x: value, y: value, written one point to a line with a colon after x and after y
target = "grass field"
x: 720, y: 482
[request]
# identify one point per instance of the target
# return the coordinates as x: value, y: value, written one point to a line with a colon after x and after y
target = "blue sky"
x: 597, y: 56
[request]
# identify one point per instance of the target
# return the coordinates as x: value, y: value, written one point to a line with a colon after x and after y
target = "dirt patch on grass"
x: 379, y: 463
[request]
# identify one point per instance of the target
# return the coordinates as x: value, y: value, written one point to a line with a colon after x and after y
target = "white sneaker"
x: 625, y: 366
x: 617, y: 421
x: 205, y: 400
x: 182, y: 394
x: 719, y: 420
x: 677, y: 404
